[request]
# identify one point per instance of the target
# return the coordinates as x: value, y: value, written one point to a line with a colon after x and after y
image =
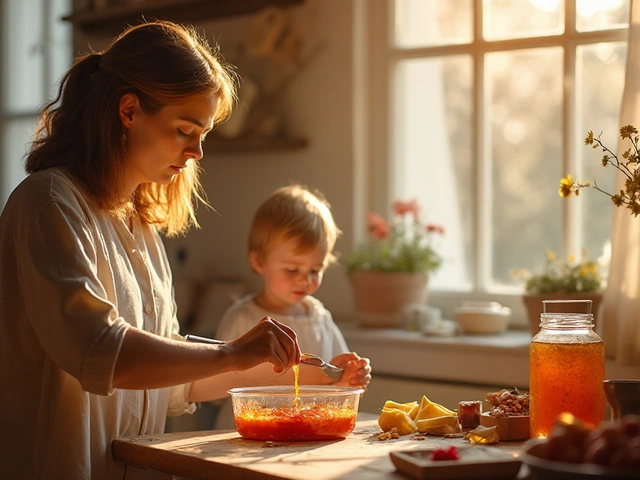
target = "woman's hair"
x: 162, y: 63
x: 293, y: 213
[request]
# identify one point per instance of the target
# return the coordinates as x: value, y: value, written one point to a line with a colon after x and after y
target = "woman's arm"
x: 148, y: 361
x: 213, y: 388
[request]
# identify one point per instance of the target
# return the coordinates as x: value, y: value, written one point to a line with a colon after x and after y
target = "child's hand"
x: 269, y: 341
x: 357, y: 370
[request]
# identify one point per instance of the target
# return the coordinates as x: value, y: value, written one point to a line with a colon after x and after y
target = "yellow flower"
x: 566, y: 187
x: 635, y: 208
x: 618, y: 199
x: 589, y: 139
x: 627, y: 131
x: 566, y: 276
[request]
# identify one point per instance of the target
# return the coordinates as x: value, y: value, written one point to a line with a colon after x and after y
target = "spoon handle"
x: 197, y: 339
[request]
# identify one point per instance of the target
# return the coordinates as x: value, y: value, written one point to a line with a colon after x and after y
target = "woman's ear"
x: 128, y: 105
x: 256, y: 262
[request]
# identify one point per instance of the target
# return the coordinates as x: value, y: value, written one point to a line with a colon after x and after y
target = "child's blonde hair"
x: 294, y: 213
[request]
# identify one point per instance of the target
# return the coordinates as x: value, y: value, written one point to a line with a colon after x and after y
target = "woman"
x: 89, y: 338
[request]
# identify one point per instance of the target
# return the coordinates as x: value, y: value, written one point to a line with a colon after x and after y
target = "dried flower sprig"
x: 630, y: 196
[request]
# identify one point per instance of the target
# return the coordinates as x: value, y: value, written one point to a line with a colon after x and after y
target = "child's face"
x: 290, y: 276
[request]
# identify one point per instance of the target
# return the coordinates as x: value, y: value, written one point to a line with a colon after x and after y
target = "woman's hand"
x: 269, y: 341
x: 357, y: 370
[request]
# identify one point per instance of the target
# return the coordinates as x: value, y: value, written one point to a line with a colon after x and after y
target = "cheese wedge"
x: 429, y: 409
x: 393, y: 417
x: 438, y: 425
x: 410, y: 408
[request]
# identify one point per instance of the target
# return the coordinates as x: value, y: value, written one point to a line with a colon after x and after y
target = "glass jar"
x: 566, y: 366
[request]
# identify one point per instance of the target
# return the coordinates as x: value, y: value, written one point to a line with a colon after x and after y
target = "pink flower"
x: 377, y: 226
x: 401, y: 208
x: 435, y: 228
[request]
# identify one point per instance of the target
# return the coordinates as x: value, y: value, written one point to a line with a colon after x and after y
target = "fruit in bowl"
x: 573, y: 450
x: 277, y: 413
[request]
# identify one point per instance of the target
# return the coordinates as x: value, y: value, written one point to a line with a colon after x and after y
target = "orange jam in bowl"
x: 277, y: 414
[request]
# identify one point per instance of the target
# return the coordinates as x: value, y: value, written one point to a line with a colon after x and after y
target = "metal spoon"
x: 329, y: 370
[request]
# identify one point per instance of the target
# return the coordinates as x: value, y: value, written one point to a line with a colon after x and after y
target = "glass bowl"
x: 274, y: 413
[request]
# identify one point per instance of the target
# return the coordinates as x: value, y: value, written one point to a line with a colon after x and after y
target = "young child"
x: 291, y: 242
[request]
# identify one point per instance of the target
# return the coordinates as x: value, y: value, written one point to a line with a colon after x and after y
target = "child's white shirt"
x: 316, y: 331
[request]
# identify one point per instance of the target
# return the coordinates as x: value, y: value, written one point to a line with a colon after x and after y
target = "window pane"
x: 505, y: 19
x: 434, y: 161
x: 525, y: 145
x: 59, y: 45
x: 17, y: 137
x: 600, y: 73
x: 23, y: 48
x: 424, y: 23
x: 600, y: 15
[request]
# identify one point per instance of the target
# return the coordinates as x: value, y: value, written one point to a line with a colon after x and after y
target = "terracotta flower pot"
x: 533, y: 304
x: 380, y: 297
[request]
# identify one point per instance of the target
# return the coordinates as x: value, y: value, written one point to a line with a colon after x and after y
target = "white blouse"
x: 73, y: 279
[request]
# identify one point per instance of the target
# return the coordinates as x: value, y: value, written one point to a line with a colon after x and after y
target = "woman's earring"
x: 124, y: 139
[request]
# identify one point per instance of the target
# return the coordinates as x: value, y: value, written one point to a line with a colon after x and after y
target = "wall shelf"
x: 111, y: 20
x: 253, y: 144
x: 114, y: 18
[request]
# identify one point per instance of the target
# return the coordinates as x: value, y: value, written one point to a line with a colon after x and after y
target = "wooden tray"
x: 476, y: 462
x: 508, y: 428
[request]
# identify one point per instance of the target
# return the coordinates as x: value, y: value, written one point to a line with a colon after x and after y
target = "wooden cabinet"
x: 110, y: 20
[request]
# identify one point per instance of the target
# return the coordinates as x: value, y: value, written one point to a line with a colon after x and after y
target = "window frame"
x: 382, y: 184
x: 48, y: 87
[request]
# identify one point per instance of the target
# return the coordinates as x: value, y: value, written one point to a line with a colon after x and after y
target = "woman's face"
x: 161, y: 145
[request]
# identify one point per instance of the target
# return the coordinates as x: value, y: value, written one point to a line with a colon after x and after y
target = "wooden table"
x: 226, y: 455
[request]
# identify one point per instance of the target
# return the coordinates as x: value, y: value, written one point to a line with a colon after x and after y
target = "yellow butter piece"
x: 483, y: 435
x: 438, y: 425
x: 429, y: 409
x: 410, y: 408
x: 393, y: 417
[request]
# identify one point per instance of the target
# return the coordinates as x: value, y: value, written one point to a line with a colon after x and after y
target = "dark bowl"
x: 543, y: 469
x: 623, y: 396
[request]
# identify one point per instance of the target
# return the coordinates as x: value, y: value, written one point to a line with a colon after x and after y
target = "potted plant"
x: 391, y: 269
x: 560, y: 280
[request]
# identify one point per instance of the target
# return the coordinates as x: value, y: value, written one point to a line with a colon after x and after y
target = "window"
x: 35, y: 51
x: 489, y: 102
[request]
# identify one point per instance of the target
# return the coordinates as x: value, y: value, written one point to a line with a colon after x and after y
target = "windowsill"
x: 498, y: 361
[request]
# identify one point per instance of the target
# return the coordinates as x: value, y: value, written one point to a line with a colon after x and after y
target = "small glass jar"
x: 566, y: 366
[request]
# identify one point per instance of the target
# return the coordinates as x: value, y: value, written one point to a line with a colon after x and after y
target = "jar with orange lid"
x: 566, y: 366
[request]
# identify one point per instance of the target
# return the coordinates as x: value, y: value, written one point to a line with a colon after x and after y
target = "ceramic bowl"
x: 482, y: 317
x: 276, y: 413
x: 623, y: 396
x: 542, y: 469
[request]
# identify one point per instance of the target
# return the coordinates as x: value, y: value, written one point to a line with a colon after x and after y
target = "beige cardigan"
x: 72, y: 281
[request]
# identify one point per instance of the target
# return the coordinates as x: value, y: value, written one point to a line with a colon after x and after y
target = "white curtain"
x: 620, y: 328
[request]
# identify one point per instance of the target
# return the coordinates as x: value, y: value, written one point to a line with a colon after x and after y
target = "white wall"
x: 319, y: 106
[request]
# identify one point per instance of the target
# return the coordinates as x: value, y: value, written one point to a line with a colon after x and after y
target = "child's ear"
x: 256, y: 262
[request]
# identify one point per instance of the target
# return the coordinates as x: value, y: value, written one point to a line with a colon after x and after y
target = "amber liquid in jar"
x: 566, y: 363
